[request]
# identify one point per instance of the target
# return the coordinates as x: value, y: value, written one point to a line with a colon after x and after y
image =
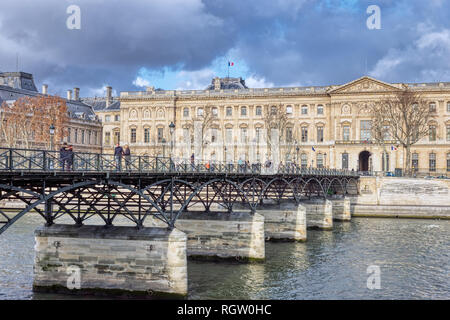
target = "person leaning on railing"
x: 118, y: 152
x: 127, y: 155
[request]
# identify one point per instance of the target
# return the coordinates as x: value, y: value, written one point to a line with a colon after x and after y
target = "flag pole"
x: 228, y: 75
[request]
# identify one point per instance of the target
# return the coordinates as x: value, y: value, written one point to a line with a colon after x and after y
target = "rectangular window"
x: 146, y: 135
x: 116, y: 117
x: 243, y: 111
x: 107, y: 118
x: 346, y: 133
x: 320, y: 109
x: 133, y: 135
x: 319, y: 134
x: 319, y: 160
x: 186, y: 112
x: 89, y: 137
x: 258, y: 111
x: 229, y: 133
x: 304, y: 134
x: 448, y: 106
x: 186, y: 135
x: 82, y: 136
x: 116, y: 137
x: 448, y: 162
x: 95, y: 138
x: 304, y: 109
x: 345, y: 161
x: 160, y: 134
x: 432, y: 107
x: 243, y: 135
x: 200, y: 112
x: 304, y: 160
x: 288, y: 135
x: 107, y: 138
x: 69, y: 133
x: 289, y: 109
x: 229, y: 111
x: 432, y: 161
x: 215, y: 112
x: 258, y: 135
x: 76, y: 136
x: 415, y: 161
x: 366, y: 130
x: 448, y: 133
x: 432, y: 133
x: 213, y: 135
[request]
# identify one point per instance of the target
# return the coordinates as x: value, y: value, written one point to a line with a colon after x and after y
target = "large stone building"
x: 84, y: 127
x: 326, y: 126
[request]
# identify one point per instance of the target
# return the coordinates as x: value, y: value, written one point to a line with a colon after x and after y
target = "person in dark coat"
x: 70, y: 156
x: 118, y: 153
x: 63, y: 156
x: 127, y: 156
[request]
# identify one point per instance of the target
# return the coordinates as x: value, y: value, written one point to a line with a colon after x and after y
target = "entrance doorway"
x: 364, y: 162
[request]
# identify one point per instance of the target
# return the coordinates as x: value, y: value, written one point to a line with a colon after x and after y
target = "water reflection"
x: 413, y: 256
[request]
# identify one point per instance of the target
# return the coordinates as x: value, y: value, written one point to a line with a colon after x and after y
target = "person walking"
x: 70, y: 156
x: 127, y: 155
x: 192, y: 162
x: 118, y: 152
x: 63, y: 156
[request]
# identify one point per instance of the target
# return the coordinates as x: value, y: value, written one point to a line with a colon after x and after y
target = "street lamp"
x: 171, y: 130
x: 163, y: 141
x: 52, y: 133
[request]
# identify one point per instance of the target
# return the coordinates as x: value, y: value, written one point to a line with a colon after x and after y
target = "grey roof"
x: 99, y: 104
x: 77, y: 109
x: 18, y: 80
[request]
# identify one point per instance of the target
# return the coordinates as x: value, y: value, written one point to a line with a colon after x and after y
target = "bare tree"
x: 204, y: 120
x: 404, y: 115
x: 275, y: 119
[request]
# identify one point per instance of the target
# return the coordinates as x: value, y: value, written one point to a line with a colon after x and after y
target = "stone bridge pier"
x: 341, y: 209
x: 319, y: 214
x: 117, y: 261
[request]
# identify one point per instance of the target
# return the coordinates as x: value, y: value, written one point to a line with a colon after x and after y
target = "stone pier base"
x: 117, y: 261
x: 341, y: 209
x: 319, y: 214
x: 237, y: 236
x: 284, y: 222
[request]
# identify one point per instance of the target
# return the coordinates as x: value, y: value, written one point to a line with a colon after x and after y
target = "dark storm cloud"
x: 282, y: 41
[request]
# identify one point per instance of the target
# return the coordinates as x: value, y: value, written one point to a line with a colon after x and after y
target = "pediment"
x: 364, y: 84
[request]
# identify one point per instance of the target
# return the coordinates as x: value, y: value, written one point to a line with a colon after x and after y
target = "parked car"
x: 428, y: 177
x: 443, y: 177
x: 390, y: 174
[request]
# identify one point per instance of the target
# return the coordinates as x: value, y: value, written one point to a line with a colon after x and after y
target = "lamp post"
x: 171, y: 130
x: 52, y: 133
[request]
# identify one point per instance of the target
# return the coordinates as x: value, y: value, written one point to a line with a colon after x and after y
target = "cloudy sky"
x: 183, y: 44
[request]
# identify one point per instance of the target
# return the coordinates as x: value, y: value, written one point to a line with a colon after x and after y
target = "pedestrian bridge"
x: 89, y: 184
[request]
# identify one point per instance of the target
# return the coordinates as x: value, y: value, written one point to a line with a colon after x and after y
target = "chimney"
x: 76, y: 94
x: 69, y: 94
x: 108, y: 96
x: 217, y: 84
x: 45, y: 89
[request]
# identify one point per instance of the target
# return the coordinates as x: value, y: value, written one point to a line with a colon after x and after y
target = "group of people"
x: 122, y: 152
x: 66, y: 157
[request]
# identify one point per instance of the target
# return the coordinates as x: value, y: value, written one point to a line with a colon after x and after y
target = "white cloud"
x: 141, y: 82
x: 258, y: 82
x: 100, y: 92
x: 194, y: 80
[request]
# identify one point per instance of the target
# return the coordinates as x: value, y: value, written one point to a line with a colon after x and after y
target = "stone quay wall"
x: 402, y: 197
x: 148, y: 262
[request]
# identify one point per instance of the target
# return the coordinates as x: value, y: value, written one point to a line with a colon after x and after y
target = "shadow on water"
x: 413, y: 256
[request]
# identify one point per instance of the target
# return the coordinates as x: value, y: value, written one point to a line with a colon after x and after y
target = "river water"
x: 412, y: 255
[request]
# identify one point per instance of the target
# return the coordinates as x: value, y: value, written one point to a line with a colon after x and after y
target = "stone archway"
x: 364, y: 163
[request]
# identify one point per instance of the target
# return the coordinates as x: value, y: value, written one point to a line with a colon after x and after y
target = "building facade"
x: 84, y: 127
x: 326, y: 126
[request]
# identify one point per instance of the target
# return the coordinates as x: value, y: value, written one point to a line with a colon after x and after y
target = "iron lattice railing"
x: 12, y: 159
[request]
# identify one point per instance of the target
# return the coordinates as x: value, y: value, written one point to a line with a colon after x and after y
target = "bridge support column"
x: 319, y: 214
x: 283, y: 222
x: 223, y: 236
x: 341, y: 209
x: 114, y: 261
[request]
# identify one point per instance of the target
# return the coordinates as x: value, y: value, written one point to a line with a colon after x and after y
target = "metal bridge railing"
x: 12, y: 159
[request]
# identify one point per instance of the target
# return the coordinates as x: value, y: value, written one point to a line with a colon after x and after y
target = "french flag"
x: 313, y: 149
x: 230, y: 64
x: 393, y: 148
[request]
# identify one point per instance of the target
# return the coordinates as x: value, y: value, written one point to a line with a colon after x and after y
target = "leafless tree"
x: 203, y: 121
x: 403, y: 115
x: 275, y: 118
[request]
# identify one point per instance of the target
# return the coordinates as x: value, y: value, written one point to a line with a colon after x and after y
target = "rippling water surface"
x: 413, y: 256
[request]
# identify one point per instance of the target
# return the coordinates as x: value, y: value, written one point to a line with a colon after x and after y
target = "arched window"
x: 258, y: 111
x: 186, y: 112
x: 304, y: 109
x: 147, y: 114
x: 273, y: 110
x: 304, y: 160
x: 432, y: 162
x: 133, y: 115
x: 243, y: 111
x: 199, y: 112
x: 320, y: 109
x: 215, y: 111
x: 289, y: 109
x: 432, y: 107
